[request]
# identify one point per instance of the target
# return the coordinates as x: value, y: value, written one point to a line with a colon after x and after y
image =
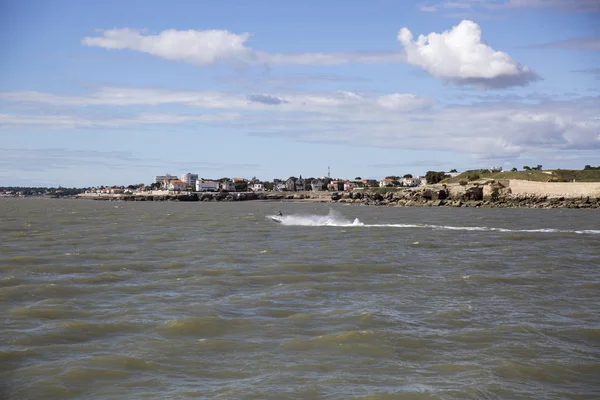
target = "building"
x: 316, y: 185
x: 257, y: 187
x: 349, y: 186
x: 280, y: 187
x: 162, y: 178
x: 204, y: 185
x: 411, y: 182
x: 189, y: 178
x: 228, y: 186
x: 387, y: 182
x: 176, y: 185
x: 335, y: 186
x: 300, y: 184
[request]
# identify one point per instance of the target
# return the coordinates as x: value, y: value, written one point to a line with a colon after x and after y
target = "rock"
x: 335, y: 196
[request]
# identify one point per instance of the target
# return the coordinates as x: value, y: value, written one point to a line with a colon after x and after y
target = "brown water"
x: 120, y: 300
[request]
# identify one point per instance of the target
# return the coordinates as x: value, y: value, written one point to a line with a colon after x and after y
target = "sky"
x: 115, y: 92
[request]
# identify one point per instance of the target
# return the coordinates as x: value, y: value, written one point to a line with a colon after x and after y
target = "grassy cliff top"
x: 557, y: 175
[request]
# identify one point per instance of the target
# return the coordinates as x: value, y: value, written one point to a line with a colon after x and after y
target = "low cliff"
x: 481, y: 194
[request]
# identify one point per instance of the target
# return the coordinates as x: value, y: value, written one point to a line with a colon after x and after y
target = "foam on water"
x: 335, y: 218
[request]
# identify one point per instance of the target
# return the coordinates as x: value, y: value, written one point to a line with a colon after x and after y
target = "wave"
x: 335, y: 218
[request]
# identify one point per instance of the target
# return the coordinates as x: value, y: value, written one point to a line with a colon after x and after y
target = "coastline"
x: 489, y: 194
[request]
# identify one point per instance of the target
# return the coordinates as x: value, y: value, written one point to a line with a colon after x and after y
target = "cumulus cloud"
x: 212, y: 46
x: 460, y: 56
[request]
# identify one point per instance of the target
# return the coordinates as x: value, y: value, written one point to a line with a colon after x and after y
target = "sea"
x: 202, y: 300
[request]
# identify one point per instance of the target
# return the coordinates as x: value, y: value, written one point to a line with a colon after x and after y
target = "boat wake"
x: 335, y: 218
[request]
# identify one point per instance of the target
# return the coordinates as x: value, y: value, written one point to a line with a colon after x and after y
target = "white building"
x: 411, y: 182
x: 257, y: 187
x: 387, y: 182
x: 203, y: 185
x: 189, y: 178
x: 176, y: 184
x: 349, y: 186
x: 228, y: 186
x: 162, y: 178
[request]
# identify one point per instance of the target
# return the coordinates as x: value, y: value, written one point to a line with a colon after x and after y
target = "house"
x: 175, y: 184
x: 204, y: 185
x: 349, y: 185
x: 387, y: 182
x: 236, y: 180
x: 295, y: 184
x: 279, y: 187
x: 422, y: 180
x: 410, y: 182
x: 257, y: 187
x: 228, y: 186
x: 335, y: 186
x: 316, y: 185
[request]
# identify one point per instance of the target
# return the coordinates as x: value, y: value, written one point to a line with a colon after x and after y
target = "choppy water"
x: 120, y: 300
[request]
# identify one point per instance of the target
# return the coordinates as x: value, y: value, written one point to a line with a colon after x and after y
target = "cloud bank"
x: 460, y: 56
x: 496, y: 129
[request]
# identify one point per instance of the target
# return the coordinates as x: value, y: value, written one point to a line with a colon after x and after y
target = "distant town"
x: 191, y: 182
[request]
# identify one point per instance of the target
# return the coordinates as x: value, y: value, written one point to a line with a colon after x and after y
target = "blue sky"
x: 115, y: 92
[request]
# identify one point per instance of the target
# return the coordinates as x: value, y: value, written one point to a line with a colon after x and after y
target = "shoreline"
x: 488, y: 194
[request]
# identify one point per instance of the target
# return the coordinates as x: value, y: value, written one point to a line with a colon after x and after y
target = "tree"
x: 435, y: 176
x: 408, y: 176
x: 269, y: 186
x: 514, y: 170
x: 526, y: 168
x: 358, y: 178
x: 539, y: 167
x: 453, y: 170
x: 393, y: 177
x: 241, y: 186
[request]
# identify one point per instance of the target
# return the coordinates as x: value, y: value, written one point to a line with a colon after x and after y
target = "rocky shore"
x: 481, y: 194
x: 442, y: 197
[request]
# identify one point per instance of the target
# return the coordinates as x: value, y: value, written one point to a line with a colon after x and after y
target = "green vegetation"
x: 531, y: 174
x: 435, y: 177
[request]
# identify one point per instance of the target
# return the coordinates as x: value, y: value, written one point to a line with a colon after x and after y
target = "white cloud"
x: 567, y: 5
x: 591, y: 43
x: 306, y: 102
x: 212, y: 46
x: 57, y: 122
x: 496, y: 128
x: 460, y: 56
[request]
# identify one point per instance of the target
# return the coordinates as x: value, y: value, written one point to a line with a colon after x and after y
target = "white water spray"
x: 335, y: 218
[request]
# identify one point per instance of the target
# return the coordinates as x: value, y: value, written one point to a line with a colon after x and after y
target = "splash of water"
x: 334, y: 218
